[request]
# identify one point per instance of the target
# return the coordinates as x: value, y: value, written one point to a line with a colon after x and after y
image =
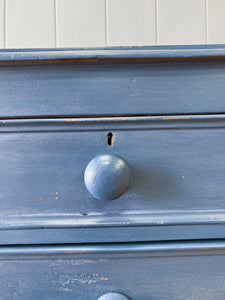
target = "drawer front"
x: 177, y: 178
x: 113, y: 88
x: 141, y: 272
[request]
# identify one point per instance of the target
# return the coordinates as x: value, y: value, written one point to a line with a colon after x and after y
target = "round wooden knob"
x: 113, y: 296
x: 107, y: 177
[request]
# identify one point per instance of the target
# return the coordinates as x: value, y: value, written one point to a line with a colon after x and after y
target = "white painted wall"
x: 101, y: 23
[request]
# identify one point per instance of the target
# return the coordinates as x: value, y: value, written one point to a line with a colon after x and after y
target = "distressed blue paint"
x: 113, y: 123
x: 115, y: 88
x: 173, y: 182
x: 110, y: 234
x: 107, y: 177
x: 115, y: 250
x: 139, y: 271
x: 165, y: 108
x: 113, y: 52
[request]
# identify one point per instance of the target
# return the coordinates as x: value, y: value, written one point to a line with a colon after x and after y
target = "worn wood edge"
x: 8, y: 56
x: 54, y: 124
x: 42, y: 62
x: 130, y: 249
x: 97, y: 220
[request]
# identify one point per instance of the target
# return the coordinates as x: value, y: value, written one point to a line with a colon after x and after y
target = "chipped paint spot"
x: 65, y: 289
x: 182, y: 176
x: 176, y: 118
x: 72, y: 120
x: 113, y: 137
x: 104, y: 278
x: 159, y: 222
x: 67, y: 280
x: 82, y: 262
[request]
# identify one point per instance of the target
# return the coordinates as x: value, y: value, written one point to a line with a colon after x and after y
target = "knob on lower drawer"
x: 107, y: 177
x: 113, y: 296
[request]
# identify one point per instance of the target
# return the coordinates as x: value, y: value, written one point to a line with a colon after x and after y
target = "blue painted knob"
x: 113, y: 296
x: 107, y: 177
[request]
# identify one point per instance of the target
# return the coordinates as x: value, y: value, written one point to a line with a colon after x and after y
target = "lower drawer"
x: 140, y: 271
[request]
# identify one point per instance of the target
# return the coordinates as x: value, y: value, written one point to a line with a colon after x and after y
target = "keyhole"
x: 110, y: 138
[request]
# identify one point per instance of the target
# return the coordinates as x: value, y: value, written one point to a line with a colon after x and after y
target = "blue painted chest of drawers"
x: 112, y: 173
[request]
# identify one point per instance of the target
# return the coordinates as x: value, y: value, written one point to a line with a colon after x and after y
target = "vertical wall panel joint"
x: 156, y: 21
x: 55, y: 21
x: 206, y: 21
x: 4, y: 23
x: 106, y: 22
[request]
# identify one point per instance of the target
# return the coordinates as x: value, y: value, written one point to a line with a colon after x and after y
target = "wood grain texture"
x: 140, y: 272
x: 170, y: 177
x: 80, y: 23
x: 30, y: 24
x: 173, y: 182
x: 109, y: 88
